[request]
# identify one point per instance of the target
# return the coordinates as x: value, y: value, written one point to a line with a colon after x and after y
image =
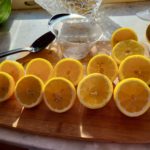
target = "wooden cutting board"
x: 106, y: 124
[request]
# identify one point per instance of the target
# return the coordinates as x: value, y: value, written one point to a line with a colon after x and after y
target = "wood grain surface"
x: 106, y: 124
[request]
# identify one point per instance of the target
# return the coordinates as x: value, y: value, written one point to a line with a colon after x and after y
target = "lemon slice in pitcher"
x: 95, y: 91
x: 132, y: 97
x: 103, y: 64
x: 59, y: 94
x: 7, y: 86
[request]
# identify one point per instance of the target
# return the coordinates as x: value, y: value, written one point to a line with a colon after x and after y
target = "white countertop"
x: 24, y: 27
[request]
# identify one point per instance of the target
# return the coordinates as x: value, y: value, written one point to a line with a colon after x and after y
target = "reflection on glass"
x: 84, y: 7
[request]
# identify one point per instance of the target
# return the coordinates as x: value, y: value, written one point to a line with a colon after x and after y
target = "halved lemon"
x: 135, y: 66
x: 103, y: 64
x: 13, y: 68
x: 95, y: 91
x: 126, y: 48
x: 132, y: 97
x: 40, y: 67
x: 29, y: 91
x: 123, y: 34
x: 7, y: 86
x: 70, y: 69
x: 59, y: 94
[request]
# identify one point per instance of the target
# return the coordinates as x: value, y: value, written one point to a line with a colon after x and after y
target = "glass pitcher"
x: 75, y: 35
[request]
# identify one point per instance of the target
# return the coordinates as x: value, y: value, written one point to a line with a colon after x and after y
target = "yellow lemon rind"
x: 11, y: 87
x: 75, y: 61
x: 116, y: 91
x: 39, y: 98
x: 109, y: 57
x: 73, y: 95
x: 19, y: 67
x: 101, y: 104
x: 115, y: 47
x: 121, y: 76
x: 40, y: 59
x: 120, y: 29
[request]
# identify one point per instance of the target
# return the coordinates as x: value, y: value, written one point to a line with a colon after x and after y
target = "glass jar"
x: 5, y: 10
x: 75, y: 36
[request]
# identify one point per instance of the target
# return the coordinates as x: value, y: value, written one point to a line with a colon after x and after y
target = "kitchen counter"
x: 24, y: 26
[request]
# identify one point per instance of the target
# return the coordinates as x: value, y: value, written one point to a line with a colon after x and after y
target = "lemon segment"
x: 95, y: 91
x: 29, y: 91
x: 59, y: 94
x: 132, y: 97
x: 103, y: 64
